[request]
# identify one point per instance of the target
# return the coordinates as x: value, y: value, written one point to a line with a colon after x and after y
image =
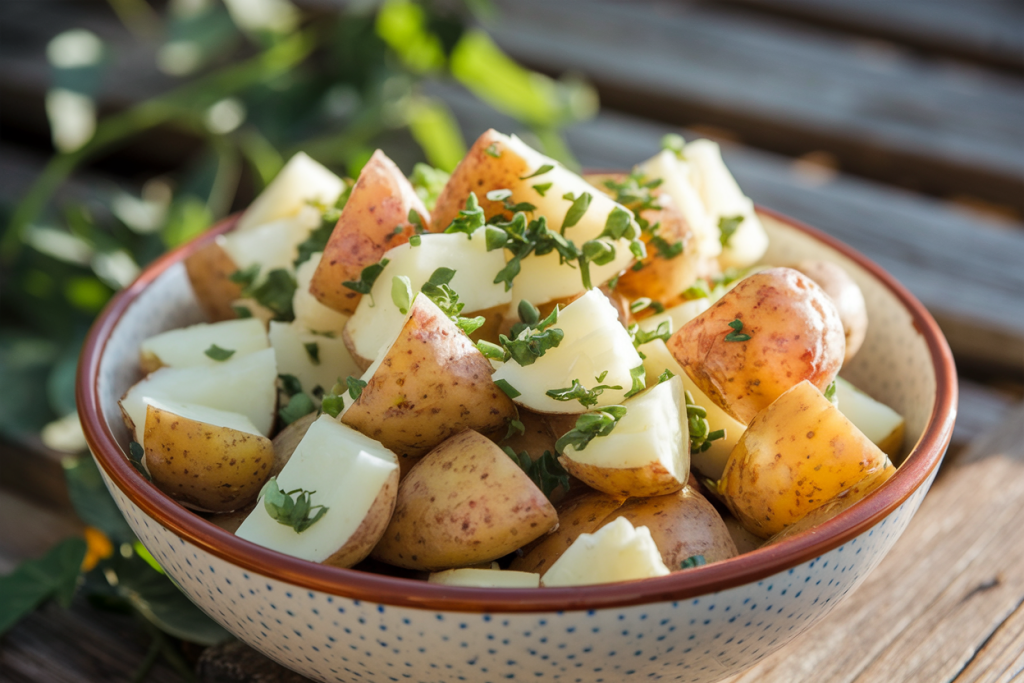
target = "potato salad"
x: 510, y: 376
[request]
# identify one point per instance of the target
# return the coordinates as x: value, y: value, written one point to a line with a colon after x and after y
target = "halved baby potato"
x: 846, y: 295
x: 796, y: 454
x: 299, y: 183
x: 206, y: 459
x: 191, y: 346
x: 209, y: 270
x: 464, y: 503
x: 374, y: 220
x: 774, y: 330
x: 354, y: 477
x: 615, y: 552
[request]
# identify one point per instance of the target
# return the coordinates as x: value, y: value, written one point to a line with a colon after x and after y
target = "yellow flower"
x: 98, y: 547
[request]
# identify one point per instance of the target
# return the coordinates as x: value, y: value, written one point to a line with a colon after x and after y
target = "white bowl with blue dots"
x: 698, y: 625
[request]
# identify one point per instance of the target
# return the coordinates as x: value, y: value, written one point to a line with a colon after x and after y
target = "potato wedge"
x: 847, y: 297
x: 485, y: 578
x: 188, y: 346
x: 796, y: 454
x: 374, y: 220
x: 209, y: 270
x: 615, y: 552
x: 464, y: 503
x: 880, y: 423
x: 430, y: 385
x: 352, y: 476
x: 675, y: 175
x: 682, y: 525
x: 299, y: 182
x: 664, y: 273
x: 317, y: 361
x: 309, y: 312
x: 288, y: 439
x: 204, y: 458
x: 273, y: 245
x: 774, y: 330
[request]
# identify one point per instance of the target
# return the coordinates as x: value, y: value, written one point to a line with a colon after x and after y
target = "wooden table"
x: 894, y: 126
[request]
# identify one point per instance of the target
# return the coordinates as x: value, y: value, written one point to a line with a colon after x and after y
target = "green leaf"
x: 542, y: 188
x: 728, y: 225
x: 491, y: 351
x: 247, y: 276
x: 367, y: 277
x: 275, y: 293
x: 619, y: 225
x: 415, y: 240
x: 698, y: 290
x: 428, y: 183
x: 313, y: 351
x: 217, y: 353
x: 514, y: 427
x: 701, y: 435
x: 665, y: 250
x: 320, y: 235
x: 590, y: 426
x: 578, y: 392
x: 136, y: 455
x: 546, y: 472
x: 638, y: 375
x: 470, y: 218
x: 91, y: 500
x: 693, y: 561
x: 540, y: 171
x: 641, y: 337
x: 242, y: 312
x: 470, y: 325
x: 401, y: 293
x: 493, y: 151
x: 355, y: 387
x: 298, y: 405
x: 55, y: 575
x: 674, y: 143
x: 830, y: 392
x: 737, y: 335
x: 509, y: 390
x: 288, y: 510
x: 665, y: 376
x: 527, y: 349
x: 576, y: 211
x: 496, y: 238
x: 290, y: 384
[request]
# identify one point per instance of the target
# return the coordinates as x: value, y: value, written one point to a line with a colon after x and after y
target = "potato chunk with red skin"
x: 375, y: 219
x: 794, y: 331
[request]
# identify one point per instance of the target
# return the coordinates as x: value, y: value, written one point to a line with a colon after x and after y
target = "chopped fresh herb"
x: 275, y: 293
x: 415, y: 240
x: 298, y: 405
x: 469, y: 219
x: 514, y: 427
x: 530, y: 346
x: 638, y: 375
x: 576, y: 210
x: 640, y: 337
x: 637, y: 248
x: 590, y: 426
x: 509, y: 390
x: 313, y: 351
x: 737, y: 334
x: 333, y: 404
x: 318, y: 391
x: 578, y: 392
x: 355, y: 387
x: 135, y: 455
x: 318, y: 236
x: 698, y: 290
x: 546, y: 472
x: 693, y: 561
x: 428, y: 183
x: 491, y: 351
x: 665, y: 376
x: 674, y: 143
x: 639, y: 305
x: 499, y: 195
x: 665, y: 250
x: 247, y: 276
x: 398, y: 230
x: 416, y: 220
x: 658, y: 307
x: 634, y: 193
x: 727, y: 226
x: 290, y: 384
x: 401, y: 293
x: 367, y: 277
x: 470, y: 325
x: 242, y: 312
x: 542, y: 188
x: 540, y: 171
x: 493, y: 151
x: 830, y: 392
x: 613, y: 283
x: 600, y: 378
x: 217, y: 353
x: 619, y: 224
x: 293, y: 512
x: 701, y: 435
x: 495, y: 238
x: 637, y: 267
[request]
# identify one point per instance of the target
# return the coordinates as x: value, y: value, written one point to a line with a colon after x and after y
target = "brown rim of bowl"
x: 753, y: 566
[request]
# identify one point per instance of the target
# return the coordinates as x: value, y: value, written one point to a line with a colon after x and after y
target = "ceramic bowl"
x: 699, y: 625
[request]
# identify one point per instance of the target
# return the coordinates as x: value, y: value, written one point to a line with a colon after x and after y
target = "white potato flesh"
x: 332, y: 362
x: 244, y: 385
x: 346, y: 470
x: 271, y: 245
x: 301, y: 181
x: 674, y: 174
x: 197, y: 413
x: 378, y: 320
x: 677, y: 315
x: 187, y: 346
x: 594, y: 342
x: 615, y: 552
x: 877, y: 420
x: 653, y: 431
x: 710, y: 463
x: 309, y: 312
x: 723, y: 198
x: 485, y: 578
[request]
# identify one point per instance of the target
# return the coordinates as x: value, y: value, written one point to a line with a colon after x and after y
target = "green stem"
x: 146, y: 115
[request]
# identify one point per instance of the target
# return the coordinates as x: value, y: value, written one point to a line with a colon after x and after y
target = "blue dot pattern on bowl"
x: 332, y: 638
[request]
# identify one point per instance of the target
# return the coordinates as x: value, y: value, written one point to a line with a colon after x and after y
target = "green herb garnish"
x: 640, y: 337
x: 492, y: 150
x: 638, y: 375
x: 542, y: 188
x: 727, y: 225
x: 491, y: 351
x: 589, y: 426
x: 737, y: 335
x: 578, y: 392
x: 293, y: 512
x: 313, y: 351
x: 665, y: 250
x: 693, y: 561
x: 355, y: 387
x: 639, y: 305
x: 217, y: 353
x: 415, y: 240
x: 830, y: 392
x: 242, y: 312
x: 546, y: 472
x: 367, y: 277
x: 470, y: 219
x: 509, y: 390
x: 299, y: 404
x: 701, y: 435
x: 674, y: 143
x: 428, y: 183
x: 515, y: 427
x: 290, y: 384
x: 401, y: 293
x: 135, y: 455
x: 540, y: 171
x: 665, y: 376
x: 577, y: 210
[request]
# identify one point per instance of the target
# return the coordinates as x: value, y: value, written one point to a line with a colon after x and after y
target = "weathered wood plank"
x: 790, y: 88
x: 1001, y: 659
x: 963, y: 268
x: 987, y: 31
x: 951, y: 584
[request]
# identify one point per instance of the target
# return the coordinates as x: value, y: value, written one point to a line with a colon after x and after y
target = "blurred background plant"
x: 253, y: 81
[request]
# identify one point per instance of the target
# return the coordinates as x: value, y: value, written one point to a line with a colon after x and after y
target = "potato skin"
x: 581, y: 512
x: 682, y: 525
x: 653, y: 479
x: 795, y: 455
x: 658, y: 278
x: 209, y: 270
x: 287, y: 440
x: 432, y: 384
x: 847, y: 297
x: 464, y: 503
x: 795, y: 335
x: 379, y: 204
x: 357, y: 548
x: 478, y: 172
x: 204, y: 467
